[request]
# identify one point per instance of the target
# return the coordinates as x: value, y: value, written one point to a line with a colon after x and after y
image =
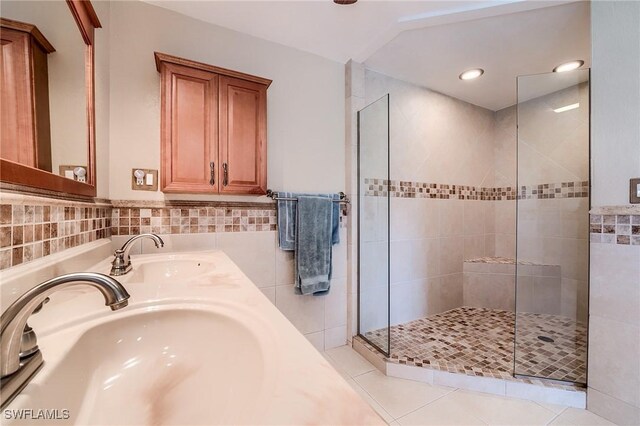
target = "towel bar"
x: 274, y: 196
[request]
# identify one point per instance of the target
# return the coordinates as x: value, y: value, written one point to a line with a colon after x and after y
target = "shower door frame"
x: 589, y: 173
x: 386, y: 353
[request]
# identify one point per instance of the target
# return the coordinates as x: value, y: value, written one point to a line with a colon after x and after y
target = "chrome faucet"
x: 122, y: 262
x: 20, y: 358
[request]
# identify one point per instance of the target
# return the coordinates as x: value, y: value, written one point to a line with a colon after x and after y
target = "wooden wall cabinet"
x: 214, y: 129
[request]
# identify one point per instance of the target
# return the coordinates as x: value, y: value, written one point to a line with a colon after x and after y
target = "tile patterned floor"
x: 406, y: 402
x: 479, y: 341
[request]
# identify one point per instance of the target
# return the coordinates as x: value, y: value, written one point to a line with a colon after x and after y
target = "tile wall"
x: 614, y: 321
x: 32, y: 227
x: 621, y: 229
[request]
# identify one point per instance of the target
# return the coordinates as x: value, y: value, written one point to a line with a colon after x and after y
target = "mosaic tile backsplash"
x: 193, y: 220
x: 404, y: 189
x: 29, y: 232
x: 615, y: 229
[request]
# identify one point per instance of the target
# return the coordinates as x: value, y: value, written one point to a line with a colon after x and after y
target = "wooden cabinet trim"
x: 28, y: 28
x: 169, y: 59
x: 19, y: 174
x: 86, y: 18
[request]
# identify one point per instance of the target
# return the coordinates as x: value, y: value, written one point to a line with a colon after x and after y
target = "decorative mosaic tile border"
x: 191, y: 220
x: 32, y: 227
x: 615, y: 229
x: 29, y: 231
x: 404, y: 189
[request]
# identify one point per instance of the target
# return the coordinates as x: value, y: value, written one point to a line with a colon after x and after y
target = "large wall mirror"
x: 47, y: 111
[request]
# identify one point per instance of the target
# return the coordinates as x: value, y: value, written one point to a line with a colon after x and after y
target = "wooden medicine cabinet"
x: 213, y: 129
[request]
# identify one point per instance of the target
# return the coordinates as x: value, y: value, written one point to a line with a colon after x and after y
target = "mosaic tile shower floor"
x: 480, y: 342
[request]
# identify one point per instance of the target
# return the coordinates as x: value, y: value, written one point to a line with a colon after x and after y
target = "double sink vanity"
x: 198, y: 343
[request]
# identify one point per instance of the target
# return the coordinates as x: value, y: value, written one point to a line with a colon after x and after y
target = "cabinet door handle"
x: 212, y: 166
x: 225, y: 169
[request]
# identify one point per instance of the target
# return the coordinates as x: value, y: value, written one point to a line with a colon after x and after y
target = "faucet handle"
x: 120, y: 265
x: 39, y: 307
x: 29, y: 341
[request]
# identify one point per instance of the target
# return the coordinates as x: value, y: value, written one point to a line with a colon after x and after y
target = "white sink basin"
x: 199, y: 343
x: 167, y: 366
x: 170, y: 270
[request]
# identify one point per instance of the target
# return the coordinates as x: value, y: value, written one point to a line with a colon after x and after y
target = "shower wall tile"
x: 408, y: 300
x: 474, y: 246
x: 619, y: 264
x: 614, y: 317
x: 505, y: 246
x: 447, y: 293
x: 474, y: 220
x: 451, y: 221
x: 451, y: 255
x: 613, y: 370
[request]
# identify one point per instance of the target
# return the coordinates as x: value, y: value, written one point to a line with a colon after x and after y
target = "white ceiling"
x: 427, y: 42
x: 504, y: 46
x: 339, y: 32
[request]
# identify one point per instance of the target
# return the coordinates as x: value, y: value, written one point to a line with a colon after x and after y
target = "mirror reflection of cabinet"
x: 48, y: 96
x: 24, y: 105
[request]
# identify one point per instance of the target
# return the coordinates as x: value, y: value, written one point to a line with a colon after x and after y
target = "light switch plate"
x: 144, y: 186
x: 634, y: 191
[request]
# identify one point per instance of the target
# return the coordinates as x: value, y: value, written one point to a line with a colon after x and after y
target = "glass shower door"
x: 552, y: 245
x: 373, y: 224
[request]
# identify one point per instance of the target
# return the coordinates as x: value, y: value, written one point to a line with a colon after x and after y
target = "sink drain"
x: 546, y: 339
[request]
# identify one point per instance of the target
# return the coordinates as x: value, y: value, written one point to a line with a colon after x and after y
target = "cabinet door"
x: 243, y: 136
x: 189, y: 130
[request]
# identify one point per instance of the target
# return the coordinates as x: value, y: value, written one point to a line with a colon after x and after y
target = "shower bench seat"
x: 490, y: 282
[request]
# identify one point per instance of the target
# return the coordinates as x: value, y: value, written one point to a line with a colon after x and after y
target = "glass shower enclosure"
x: 552, y: 243
x: 373, y: 224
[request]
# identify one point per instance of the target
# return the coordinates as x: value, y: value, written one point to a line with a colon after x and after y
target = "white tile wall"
x: 614, y: 332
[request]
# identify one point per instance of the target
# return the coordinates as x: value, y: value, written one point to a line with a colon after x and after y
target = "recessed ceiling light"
x: 567, y: 108
x: 344, y: 1
x: 569, y: 66
x: 471, y: 74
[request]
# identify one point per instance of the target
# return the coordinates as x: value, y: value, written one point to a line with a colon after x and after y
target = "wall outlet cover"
x: 145, y: 186
x: 66, y: 170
